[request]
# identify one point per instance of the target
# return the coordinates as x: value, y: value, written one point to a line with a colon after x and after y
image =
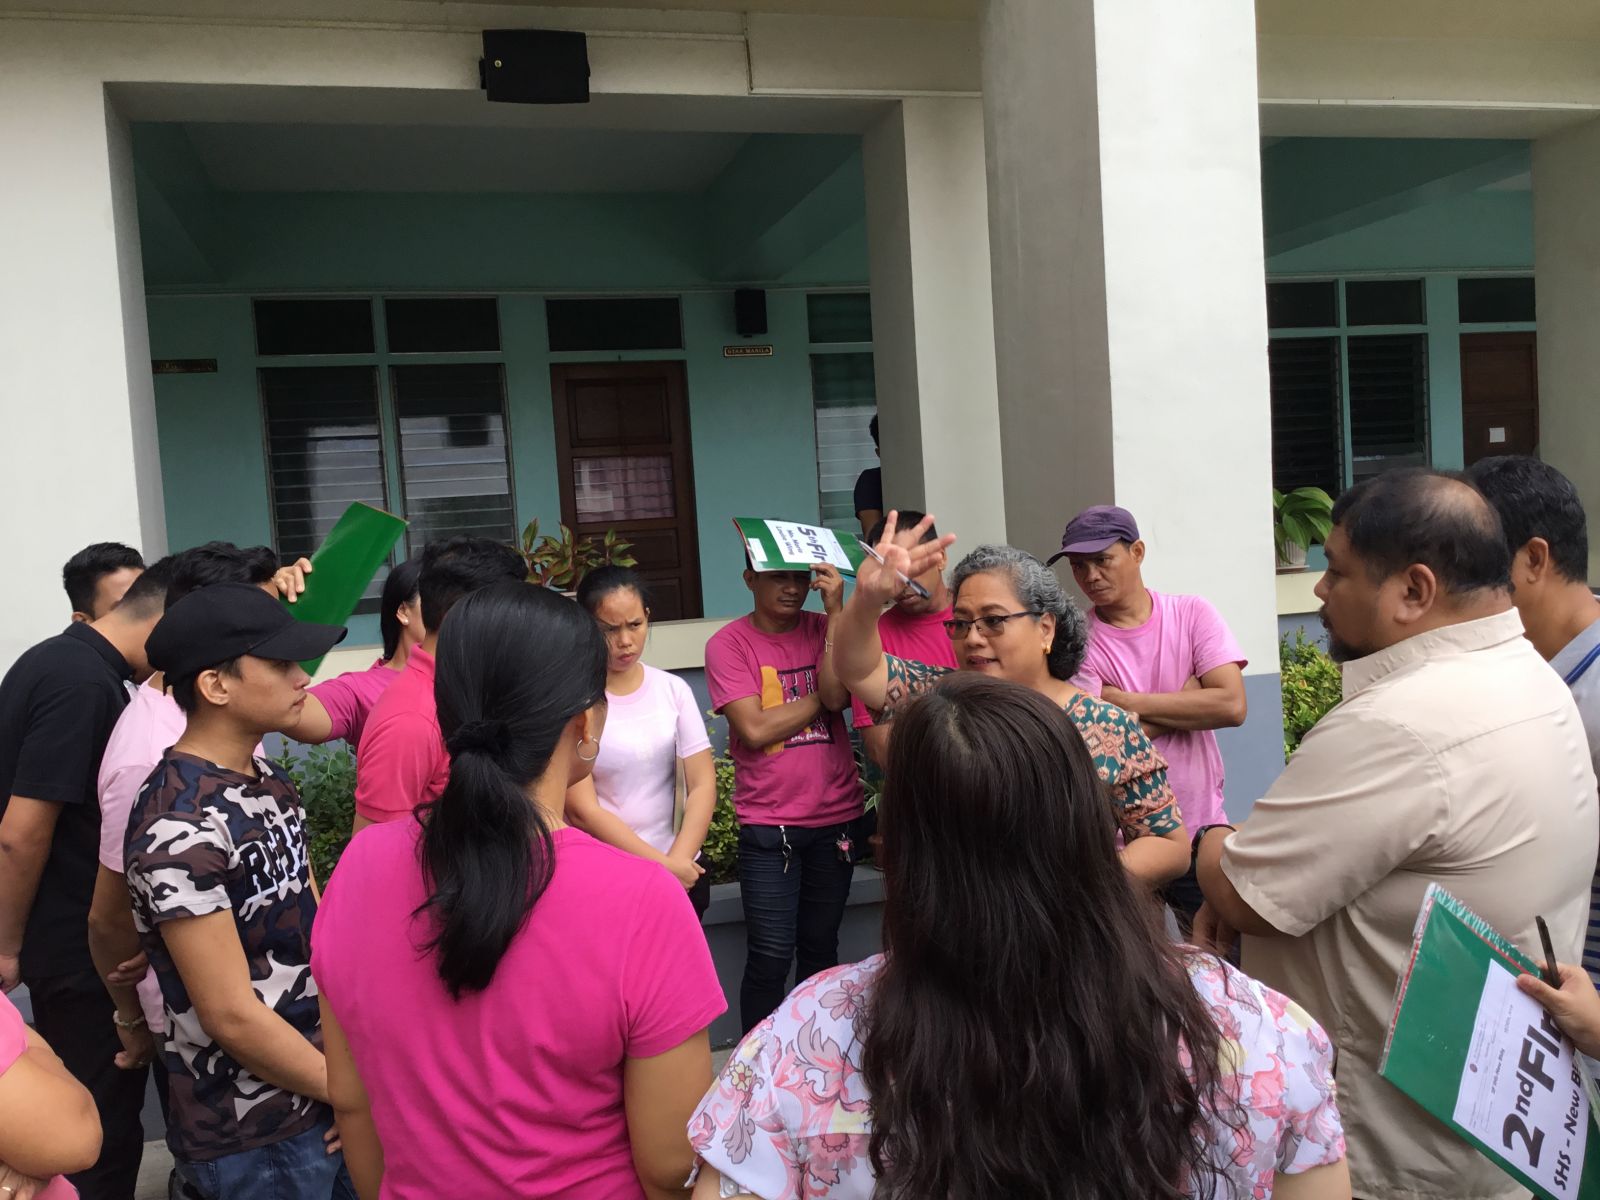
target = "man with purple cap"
x: 1171, y: 659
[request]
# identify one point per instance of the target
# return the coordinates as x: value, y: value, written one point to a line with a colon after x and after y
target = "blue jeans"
x: 298, y: 1168
x: 794, y: 887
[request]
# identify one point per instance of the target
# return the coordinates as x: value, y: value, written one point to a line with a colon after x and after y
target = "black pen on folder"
x: 905, y: 579
x: 1552, y: 973
x: 1552, y: 976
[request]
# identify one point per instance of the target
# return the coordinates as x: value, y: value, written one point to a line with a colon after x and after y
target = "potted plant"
x: 560, y: 560
x: 1300, y: 519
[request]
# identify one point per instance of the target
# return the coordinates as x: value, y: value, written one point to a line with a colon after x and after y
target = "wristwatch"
x: 1194, y: 844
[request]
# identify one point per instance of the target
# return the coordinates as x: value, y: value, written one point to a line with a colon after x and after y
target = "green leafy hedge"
x: 1312, y: 684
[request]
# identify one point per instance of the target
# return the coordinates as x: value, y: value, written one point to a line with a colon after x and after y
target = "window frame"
x: 1343, y: 332
x: 382, y: 361
x: 816, y: 350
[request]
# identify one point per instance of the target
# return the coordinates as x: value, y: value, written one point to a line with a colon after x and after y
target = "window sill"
x: 1296, y: 592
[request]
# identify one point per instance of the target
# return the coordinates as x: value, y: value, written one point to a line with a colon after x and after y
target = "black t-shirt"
x: 58, y: 704
x: 869, y: 490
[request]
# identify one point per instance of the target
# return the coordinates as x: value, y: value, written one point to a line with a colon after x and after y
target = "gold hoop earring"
x: 589, y: 758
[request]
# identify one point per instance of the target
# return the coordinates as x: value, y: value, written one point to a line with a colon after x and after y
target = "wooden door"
x: 622, y: 448
x: 1499, y: 394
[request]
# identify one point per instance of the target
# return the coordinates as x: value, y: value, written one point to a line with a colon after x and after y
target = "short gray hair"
x: 1040, y: 591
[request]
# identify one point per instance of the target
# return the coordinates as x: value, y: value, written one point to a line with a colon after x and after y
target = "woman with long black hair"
x: 1029, y: 1031
x: 527, y: 1006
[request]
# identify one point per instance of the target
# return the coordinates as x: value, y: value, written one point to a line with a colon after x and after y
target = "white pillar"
x: 1566, y: 255
x: 932, y: 315
x: 1129, y: 281
x: 78, y: 405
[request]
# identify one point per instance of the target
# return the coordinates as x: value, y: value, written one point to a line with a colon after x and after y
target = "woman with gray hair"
x: 1013, y: 620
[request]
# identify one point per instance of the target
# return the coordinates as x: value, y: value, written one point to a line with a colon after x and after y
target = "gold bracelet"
x: 117, y: 1020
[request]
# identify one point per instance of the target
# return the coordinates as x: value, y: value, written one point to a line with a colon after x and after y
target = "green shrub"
x: 326, y: 781
x: 1312, y: 684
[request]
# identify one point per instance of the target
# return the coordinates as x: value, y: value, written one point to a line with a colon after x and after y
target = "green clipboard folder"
x: 790, y: 546
x: 1465, y: 1043
x: 344, y: 565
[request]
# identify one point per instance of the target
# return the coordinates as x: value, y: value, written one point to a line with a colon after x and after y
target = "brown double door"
x: 1499, y: 394
x: 622, y: 449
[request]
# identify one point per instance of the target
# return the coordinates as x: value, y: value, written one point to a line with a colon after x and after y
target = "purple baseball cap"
x: 1092, y: 530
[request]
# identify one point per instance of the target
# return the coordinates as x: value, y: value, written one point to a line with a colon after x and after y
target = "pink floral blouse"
x: 789, y: 1117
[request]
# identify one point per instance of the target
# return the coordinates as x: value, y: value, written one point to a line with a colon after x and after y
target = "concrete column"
x: 81, y: 461
x: 932, y: 315
x: 1566, y: 270
x: 1129, y: 282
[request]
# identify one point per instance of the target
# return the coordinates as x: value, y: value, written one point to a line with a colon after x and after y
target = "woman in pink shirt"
x: 348, y: 698
x: 653, y: 729
x: 48, y: 1123
x: 527, y: 1006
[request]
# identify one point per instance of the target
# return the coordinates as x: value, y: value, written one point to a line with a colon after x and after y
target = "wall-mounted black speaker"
x: 535, y: 66
x: 750, y: 312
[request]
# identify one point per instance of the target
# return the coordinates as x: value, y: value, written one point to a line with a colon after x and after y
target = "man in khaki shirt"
x: 1457, y: 757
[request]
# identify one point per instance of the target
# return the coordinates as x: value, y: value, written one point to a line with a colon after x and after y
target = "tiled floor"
x: 158, y: 1160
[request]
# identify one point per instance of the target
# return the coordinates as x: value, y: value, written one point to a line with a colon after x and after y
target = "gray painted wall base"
x: 1252, y: 755
x: 860, y: 935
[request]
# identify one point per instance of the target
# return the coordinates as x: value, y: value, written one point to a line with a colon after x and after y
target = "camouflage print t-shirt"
x: 204, y: 839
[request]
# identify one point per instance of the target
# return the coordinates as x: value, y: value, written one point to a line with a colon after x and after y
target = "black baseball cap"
x: 1095, y: 529
x: 226, y: 620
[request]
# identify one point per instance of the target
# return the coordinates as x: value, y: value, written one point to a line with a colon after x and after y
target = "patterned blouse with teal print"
x: 1122, y: 754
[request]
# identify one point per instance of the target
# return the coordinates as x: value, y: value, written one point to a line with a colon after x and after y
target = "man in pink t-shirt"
x: 1171, y: 659
x: 912, y: 628
x: 401, y: 761
x: 796, y: 790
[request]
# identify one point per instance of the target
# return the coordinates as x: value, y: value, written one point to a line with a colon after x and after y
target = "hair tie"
x: 491, y: 736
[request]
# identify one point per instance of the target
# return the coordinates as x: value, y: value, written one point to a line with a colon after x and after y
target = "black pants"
x: 73, y: 1013
x: 794, y: 885
x: 700, y: 895
x: 1184, y: 897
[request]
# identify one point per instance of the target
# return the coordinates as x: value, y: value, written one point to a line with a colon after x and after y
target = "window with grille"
x: 427, y: 441
x: 1349, y: 376
x: 845, y: 399
x: 1307, y: 414
x: 454, y: 467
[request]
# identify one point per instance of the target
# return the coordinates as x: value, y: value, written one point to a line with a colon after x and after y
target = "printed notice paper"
x: 789, y: 546
x: 1519, y: 1088
x: 1486, y: 1060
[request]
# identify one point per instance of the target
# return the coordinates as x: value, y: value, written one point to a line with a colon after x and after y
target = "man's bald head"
x: 1432, y: 518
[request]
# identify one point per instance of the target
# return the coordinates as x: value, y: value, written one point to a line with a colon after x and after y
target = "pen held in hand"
x: 905, y: 579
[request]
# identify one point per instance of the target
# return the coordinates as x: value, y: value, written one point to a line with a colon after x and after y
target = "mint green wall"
x: 1480, y: 231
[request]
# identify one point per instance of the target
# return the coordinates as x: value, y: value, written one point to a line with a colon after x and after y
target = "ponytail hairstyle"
x: 516, y: 663
x: 399, y: 588
x: 1032, y: 1032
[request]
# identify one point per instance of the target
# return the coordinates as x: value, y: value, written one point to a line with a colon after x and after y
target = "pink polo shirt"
x: 349, y: 698
x: 401, y: 761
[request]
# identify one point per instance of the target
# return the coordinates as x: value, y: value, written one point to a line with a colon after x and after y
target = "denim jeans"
x: 298, y: 1168
x: 794, y: 889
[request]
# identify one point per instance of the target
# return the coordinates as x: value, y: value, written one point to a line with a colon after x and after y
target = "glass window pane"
x: 1307, y: 414
x: 442, y: 326
x: 1388, y: 403
x: 454, y: 466
x: 623, y: 488
x: 649, y: 323
x: 839, y: 317
x: 1383, y: 301
x: 313, y: 327
x: 1313, y: 305
x: 845, y: 400
x: 1496, y: 300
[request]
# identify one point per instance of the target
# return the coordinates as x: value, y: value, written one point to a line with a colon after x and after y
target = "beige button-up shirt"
x: 1457, y: 757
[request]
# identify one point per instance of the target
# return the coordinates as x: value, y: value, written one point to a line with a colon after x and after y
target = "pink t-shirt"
x: 401, y: 760
x: 918, y: 637
x: 13, y: 1043
x: 149, y: 726
x: 810, y: 780
x: 1183, y: 638
x: 647, y: 732
x: 349, y: 698
x: 515, y: 1090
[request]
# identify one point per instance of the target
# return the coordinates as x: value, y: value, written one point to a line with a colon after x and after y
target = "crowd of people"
x: 1091, y: 984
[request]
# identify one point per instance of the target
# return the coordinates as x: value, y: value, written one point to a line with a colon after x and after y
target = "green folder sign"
x: 789, y: 546
x: 1485, y: 1059
x: 344, y: 565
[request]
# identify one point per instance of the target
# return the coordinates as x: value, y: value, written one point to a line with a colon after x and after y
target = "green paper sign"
x: 788, y: 546
x: 344, y: 565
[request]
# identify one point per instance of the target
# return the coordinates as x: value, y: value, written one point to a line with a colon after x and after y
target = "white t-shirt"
x: 646, y: 733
